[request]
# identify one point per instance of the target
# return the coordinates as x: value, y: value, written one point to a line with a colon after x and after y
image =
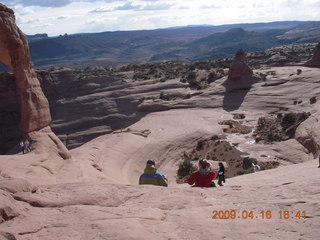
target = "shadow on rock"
x: 236, y: 91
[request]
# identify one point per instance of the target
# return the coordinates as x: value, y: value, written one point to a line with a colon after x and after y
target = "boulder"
x: 308, y: 134
x: 238, y: 68
x: 7, y: 207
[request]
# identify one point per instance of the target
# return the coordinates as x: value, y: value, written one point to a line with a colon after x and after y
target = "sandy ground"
x: 95, y: 195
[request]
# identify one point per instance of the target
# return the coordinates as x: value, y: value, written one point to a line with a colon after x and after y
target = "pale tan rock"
x: 8, y: 209
x: 308, y: 134
x: 14, y: 185
x: 7, y: 236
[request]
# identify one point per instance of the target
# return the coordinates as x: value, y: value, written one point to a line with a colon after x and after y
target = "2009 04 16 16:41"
x: 264, y: 214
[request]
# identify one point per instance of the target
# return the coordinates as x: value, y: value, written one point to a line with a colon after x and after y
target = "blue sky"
x: 57, y: 17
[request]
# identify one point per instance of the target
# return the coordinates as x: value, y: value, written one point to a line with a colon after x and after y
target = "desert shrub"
x: 191, y: 75
x: 200, y: 145
x: 187, y: 96
x: 185, y: 169
x: 274, y: 137
x: 215, y: 137
x: 268, y: 165
x: 164, y: 96
x: 239, y: 116
x: 313, y: 100
x: 191, y: 67
x: 288, y: 120
x: 241, y: 172
x: 194, y: 84
x: 195, y: 157
x: 247, y: 162
x: 142, y: 99
x: 211, y: 77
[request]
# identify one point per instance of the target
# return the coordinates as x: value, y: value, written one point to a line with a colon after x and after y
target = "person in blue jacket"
x: 152, y: 176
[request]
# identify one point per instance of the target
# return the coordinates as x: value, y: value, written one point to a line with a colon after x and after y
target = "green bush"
x: 247, y: 162
x: 288, y: 120
x: 185, y: 169
x: 211, y: 77
x: 194, y: 84
x: 164, y: 96
x: 191, y: 76
x: 200, y: 145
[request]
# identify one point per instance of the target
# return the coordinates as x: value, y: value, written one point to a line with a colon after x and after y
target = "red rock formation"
x: 239, y: 69
x: 315, y: 60
x: 14, y: 54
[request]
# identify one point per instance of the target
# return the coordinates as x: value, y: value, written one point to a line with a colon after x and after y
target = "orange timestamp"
x: 264, y: 214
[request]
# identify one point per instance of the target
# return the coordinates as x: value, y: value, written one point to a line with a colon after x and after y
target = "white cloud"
x: 74, y: 16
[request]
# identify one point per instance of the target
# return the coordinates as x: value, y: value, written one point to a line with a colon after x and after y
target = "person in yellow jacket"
x: 152, y: 176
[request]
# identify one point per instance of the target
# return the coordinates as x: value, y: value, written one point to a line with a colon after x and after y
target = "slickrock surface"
x: 109, y: 211
x: 46, y: 194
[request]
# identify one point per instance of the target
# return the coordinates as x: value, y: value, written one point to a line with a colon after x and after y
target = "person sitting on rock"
x: 152, y: 176
x: 221, y: 171
x: 204, y: 176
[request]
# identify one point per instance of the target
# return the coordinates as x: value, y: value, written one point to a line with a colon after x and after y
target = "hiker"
x: 27, y: 145
x: 152, y: 176
x: 204, y: 176
x: 221, y: 177
x: 22, y: 146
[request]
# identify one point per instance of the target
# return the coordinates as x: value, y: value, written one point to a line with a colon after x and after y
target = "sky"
x: 57, y: 17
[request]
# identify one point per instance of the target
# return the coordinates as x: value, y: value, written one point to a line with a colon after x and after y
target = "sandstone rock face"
x: 239, y: 69
x: 315, y: 60
x: 14, y: 185
x: 308, y: 134
x: 7, y: 207
x: 14, y: 54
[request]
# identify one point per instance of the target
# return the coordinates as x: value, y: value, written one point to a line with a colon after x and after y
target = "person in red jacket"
x: 204, y: 176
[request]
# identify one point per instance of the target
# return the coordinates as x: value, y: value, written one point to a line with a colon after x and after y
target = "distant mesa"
x: 238, y: 68
x: 315, y: 60
x: 37, y: 37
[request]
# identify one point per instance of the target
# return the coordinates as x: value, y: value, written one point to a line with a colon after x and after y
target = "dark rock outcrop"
x: 239, y: 69
x: 315, y: 60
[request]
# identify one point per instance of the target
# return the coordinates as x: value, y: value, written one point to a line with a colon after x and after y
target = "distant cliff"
x: 190, y: 43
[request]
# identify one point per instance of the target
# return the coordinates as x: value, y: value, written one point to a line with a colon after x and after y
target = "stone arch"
x: 34, y: 107
x: 14, y: 54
